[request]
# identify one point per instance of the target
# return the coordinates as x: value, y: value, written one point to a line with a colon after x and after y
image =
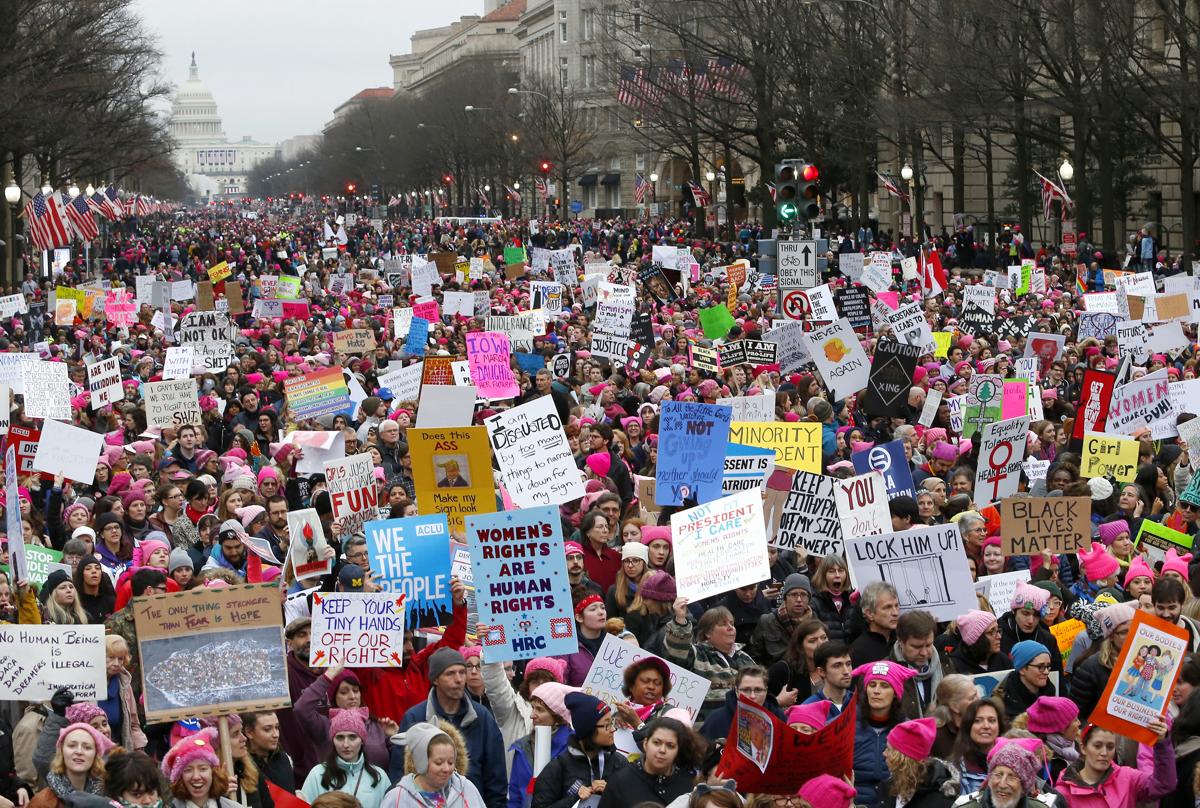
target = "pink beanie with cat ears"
x: 893, y: 673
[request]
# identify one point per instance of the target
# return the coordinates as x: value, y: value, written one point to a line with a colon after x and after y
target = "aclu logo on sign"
x: 428, y: 530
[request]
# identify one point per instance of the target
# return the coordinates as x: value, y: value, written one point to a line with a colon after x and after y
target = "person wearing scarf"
x: 915, y: 648
x: 77, y: 768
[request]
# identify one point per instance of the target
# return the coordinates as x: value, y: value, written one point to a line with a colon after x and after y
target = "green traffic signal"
x: 787, y: 211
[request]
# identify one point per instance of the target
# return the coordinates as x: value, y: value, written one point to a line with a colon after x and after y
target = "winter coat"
x: 716, y: 726
x: 983, y: 799
x: 578, y: 665
x: 869, y: 767
x: 1017, y: 697
x: 9, y: 781
x: 1010, y: 635
x: 292, y: 736
x: 521, y: 769
x: 1087, y: 684
x: 24, y: 741
x: 910, y: 702
x: 484, y: 745
x: 358, y: 783
x: 458, y: 793
x: 511, y: 712
x: 939, y: 789
x: 561, y: 779
x: 838, y: 623
x: 1187, y: 756
x: 1123, y: 786
x: 704, y: 660
x: 633, y: 785
x: 312, y: 712
x: 771, y: 636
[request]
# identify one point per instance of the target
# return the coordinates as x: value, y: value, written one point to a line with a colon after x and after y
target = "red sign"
x: 24, y: 441
x: 766, y: 756
x: 1069, y: 242
x: 1094, y: 399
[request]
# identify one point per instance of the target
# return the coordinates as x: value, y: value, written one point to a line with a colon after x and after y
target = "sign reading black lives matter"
x: 891, y: 378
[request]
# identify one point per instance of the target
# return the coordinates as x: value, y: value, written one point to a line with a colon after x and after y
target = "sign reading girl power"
x: 521, y: 585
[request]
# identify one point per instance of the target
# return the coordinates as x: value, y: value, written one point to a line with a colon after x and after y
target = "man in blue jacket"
x: 448, y: 701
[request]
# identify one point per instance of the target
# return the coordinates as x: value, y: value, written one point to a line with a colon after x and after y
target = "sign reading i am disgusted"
x: 1029, y: 525
x: 357, y: 629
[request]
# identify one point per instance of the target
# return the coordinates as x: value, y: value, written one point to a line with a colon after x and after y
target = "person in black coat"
x: 1185, y: 733
x: 831, y: 600
x: 751, y: 682
x: 1024, y: 622
x: 666, y: 769
x: 589, y: 762
x: 1029, y: 679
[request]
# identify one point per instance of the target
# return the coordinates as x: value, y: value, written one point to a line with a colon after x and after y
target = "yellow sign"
x: 943, y: 340
x: 796, y: 445
x: 452, y: 469
x: 1109, y: 456
x: 219, y: 272
x: 1065, y: 633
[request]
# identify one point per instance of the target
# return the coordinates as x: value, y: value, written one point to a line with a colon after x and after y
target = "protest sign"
x: 976, y: 321
x: 24, y: 441
x: 1139, y: 687
x: 720, y: 546
x: 796, y: 445
x: 766, y: 756
x: 862, y: 504
x: 452, y: 470
x: 179, y: 362
x: 1095, y: 398
x: 37, y: 660
x: 891, y: 378
x: 702, y: 358
x: 999, y: 589
x: 533, y: 455
x: 170, y: 404
x: 606, y: 678
x: 209, y: 652
x: 439, y: 370
x: 889, y: 460
x: 488, y: 355
x: 211, y: 333
x: 446, y: 405
x: 352, y: 491
x: 691, y: 440
x: 320, y: 392
x: 1030, y: 525
x: 984, y: 403
x: 854, y: 305
x: 521, y: 586
x: 15, y: 538
x: 840, y: 358
x: 1155, y: 539
x: 354, y: 341
x: 933, y: 400
x: 357, y: 629
x: 39, y: 561
x: 104, y: 381
x: 746, y: 467
x: 46, y: 390
x: 1000, y: 453
x: 810, y: 517
x: 318, y: 448
x: 418, y: 336
x: 910, y: 327
x: 750, y: 408
x: 1107, y: 456
x: 13, y: 304
x: 927, y: 565
x: 1140, y: 403
x: 404, y: 381
x: 791, y: 349
x: 411, y: 556
x: 309, y: 553
x: 68, y: 450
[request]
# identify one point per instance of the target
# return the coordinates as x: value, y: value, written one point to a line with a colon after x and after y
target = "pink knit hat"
x: 1138, y: 568
x: 653, y: 533
x: 913, y: 739
x: 1110, y: 618
x: 814, y: 715
x: 469, y: 651
x: 1176, y: 563
x: 827, y: 791
x: 102, y: 744
x: 353, y: 720
x: 555, y: 667
x: 1098, y: 564
x: 1026, y: 596
x: 973, y: 624
x: 1051, y: 714
x: 554, y: 696
x: 600, y: 463
x: 893, y: 673
x: 1110, y: 530
x: 192, y: 748
x: 82, y: 712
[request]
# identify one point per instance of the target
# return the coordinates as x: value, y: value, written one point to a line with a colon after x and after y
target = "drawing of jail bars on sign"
x: 919, y: 581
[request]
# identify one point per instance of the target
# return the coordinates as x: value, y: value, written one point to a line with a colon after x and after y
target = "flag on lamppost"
x: 47, y: 226
x: 1050, y: 192
x: 82, y: 220
x: 639, y: 189
x: 701, y: 196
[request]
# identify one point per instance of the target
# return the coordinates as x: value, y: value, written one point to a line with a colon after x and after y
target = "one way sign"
x: 798, y: 265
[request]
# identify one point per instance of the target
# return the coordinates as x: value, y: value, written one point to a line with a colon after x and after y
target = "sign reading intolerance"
x: 1029, y: 525
x: 533, y: 455
x: 37, y: 660
x: 212, y: 652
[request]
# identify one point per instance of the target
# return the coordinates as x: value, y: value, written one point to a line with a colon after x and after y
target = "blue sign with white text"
x: 691, y: 452
x: 412, y: 555
x: 889, y: 460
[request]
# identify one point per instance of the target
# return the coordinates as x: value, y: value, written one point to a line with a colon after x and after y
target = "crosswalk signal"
x: 545, y: 167
x: 787, y: 191
x: 810, y: 206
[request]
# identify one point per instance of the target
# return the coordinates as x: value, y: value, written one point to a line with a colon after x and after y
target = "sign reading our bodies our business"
x: 357, y: 629
x: 521, y: 585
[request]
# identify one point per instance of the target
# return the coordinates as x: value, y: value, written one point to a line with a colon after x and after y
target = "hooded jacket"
x: 312, y: 712
x: 358, y: 783
x: 1123, y: 786
x: 939, y: 789
x: 559, y: 783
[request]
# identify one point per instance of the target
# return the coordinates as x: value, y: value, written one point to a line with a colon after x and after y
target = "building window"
x: 639, y: 161
x: 562, y: 27
x: 614, y: 164
x: 589, y: 71
x: 636, y: 7
x: 589, y: 24
x: 564, y: 70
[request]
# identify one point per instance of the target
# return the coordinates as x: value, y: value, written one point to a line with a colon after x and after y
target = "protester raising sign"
x: 691, y: 440
x: 353, y: 492
x: 521, y: 586
x: 357, y: 629
x: 489, y: 353
x: 452, y: 470
x: 810, y: 517
x: 533, y: 455
x: 1031, y: 525
x: 720, y: 546
x: 171, y: 404
x: 1000, y: 454
x: 606, y: 678
x: 411, y: 556
x: 927, y: 565
x: 37, y: 660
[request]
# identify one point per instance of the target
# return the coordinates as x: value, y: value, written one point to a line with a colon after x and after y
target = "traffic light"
x: 447, y: 179
x: 810, y: 206
x: 545, y: 167
x: 350, y: 187
x: 787, y: 191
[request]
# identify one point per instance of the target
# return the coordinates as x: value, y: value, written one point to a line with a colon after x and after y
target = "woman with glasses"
x: 751, y: 683
x: 588, y: 763
x: 712, y: 652
x: 1029, y: 680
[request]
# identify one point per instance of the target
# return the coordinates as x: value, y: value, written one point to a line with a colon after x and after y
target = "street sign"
x: 576, y: 206
x: 798, y: 265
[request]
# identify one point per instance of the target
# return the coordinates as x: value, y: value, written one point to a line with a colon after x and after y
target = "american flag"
x: 114, y: 201
x: 47, y: 227
x: 542, y: 188
x: 697, y: 76
x: 639, y: 188
x: 483, y: 199
x: 892, y: 187
x: 631, y: 84
x: 141, y: 206
x: 773, y: 190
x: 80, y: 214
x: 513, y: 194
x: 1050, y: 192
x: 99, y: 204
x: 701, y: 196
x: 727, y: 77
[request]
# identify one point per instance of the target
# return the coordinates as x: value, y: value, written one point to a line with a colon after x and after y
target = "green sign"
x: 1156, y: 538
x: 514, y: 255
x: 42, y: 561
x: 787, y: 211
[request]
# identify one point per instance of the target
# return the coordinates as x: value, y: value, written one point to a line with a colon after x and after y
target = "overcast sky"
x: 277, y: 68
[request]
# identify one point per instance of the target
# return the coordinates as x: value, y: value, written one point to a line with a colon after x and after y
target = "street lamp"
x: 515, y: 91
x: 89, y: 190
x: 47, y: 189
x: 73, y: 190
x: 470, y: 108
x: 12, y: 193
x: 1066, y: 170
x: 516, y: 185
x: 906, y: 174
